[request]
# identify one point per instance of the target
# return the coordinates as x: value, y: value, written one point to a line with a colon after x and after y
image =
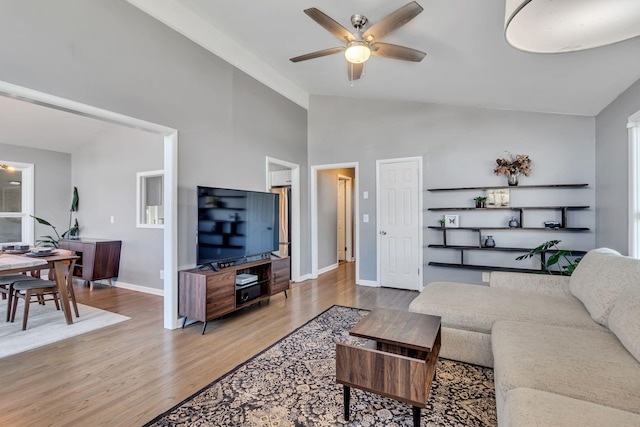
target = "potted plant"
x: 480, y: 201
x: 72, y: 231
x: 515, y: 165
x: 557, y: 255
x: 441, y: 221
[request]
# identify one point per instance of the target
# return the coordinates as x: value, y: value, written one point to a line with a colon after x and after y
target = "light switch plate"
x: 365, y: 218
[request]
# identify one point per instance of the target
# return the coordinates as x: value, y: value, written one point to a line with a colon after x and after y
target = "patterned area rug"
x: 292, y: 383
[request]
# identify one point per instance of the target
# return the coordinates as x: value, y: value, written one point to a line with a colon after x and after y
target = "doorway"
x: 283, y: 178
x: 345, y: 219
x: 399, y: 213
x: 325, y: 235
x: 170, y: 153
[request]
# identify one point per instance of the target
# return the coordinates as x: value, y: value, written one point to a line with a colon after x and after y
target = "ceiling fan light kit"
x: 361, y: 45
x: 556, y: 26
x: 357, y: 52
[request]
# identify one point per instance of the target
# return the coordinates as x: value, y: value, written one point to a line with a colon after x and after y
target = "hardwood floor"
x: 126, y: 374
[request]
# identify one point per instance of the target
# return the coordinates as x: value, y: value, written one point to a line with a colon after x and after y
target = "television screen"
x: 234, y: 224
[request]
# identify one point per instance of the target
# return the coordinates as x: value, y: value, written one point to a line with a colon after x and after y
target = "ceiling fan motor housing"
x: 359, y: 21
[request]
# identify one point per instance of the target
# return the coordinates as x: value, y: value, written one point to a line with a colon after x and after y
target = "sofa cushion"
x: 624, y: 320
x: 577, y: 363
x: 600, y: 278
x: 525, y: 407
x: 476, y: 307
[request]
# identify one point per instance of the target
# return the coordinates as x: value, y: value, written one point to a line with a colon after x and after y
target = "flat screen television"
x: 235, y: 224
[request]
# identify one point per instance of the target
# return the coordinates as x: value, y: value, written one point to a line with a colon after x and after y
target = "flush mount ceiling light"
x: 554, y: 26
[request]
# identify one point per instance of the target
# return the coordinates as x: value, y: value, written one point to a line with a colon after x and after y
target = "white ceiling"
x: 31, y: 125
x: 468, y: 61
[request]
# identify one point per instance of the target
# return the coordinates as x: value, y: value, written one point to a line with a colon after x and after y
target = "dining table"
x: 12, y: 263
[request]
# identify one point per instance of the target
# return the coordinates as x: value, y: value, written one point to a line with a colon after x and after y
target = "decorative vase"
x: 514, y: 223
x: 512, y: 180
x: 480, y: 204
x: 489, y: 242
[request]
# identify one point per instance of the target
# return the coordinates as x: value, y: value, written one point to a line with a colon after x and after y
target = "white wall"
x: 459, y: 146
x: 612, y: 171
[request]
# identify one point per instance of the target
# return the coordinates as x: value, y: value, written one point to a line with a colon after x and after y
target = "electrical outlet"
x: 365, y: 218
x: 113, y: 219
x: 486, y: 276
x: 161, y: 274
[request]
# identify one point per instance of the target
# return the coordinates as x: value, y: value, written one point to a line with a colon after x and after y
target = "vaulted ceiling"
x: 468, y: 62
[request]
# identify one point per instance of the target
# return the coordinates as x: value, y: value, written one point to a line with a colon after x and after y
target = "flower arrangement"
x: 516, y: 164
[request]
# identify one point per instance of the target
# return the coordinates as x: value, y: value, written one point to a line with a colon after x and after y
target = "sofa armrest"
x: 545, y: 284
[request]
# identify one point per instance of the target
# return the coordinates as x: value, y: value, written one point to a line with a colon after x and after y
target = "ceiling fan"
x: 361, y: 45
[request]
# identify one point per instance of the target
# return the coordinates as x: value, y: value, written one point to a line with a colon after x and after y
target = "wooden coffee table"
x: 399, y: 362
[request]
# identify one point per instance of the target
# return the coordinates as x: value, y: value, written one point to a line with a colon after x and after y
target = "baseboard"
x: 138, y: 288
x: 304, y: 278
x: 328, y: 268
x: 371, y: 283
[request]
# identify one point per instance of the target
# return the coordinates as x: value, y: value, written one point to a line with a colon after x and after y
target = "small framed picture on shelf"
x: 498, y: 198
x: 451, y: 221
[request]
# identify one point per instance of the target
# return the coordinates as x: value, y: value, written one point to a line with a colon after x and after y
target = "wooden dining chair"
x: 27, y: 289
x: 6, y: 288
x: 42, y: 290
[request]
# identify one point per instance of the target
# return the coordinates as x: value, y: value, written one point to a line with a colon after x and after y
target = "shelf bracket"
x: 563, y: 221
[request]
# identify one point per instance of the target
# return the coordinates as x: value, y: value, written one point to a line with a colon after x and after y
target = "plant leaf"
x: 75, y: 201
x: 42, y: 221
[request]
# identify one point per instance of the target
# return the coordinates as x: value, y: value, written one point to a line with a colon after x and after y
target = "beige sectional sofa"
x: 565, y: 350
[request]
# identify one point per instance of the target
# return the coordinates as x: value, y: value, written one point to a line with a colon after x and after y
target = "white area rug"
x: 46, y: 325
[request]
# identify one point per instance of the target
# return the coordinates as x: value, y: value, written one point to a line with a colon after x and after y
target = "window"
x: 150, y: 205
x: 16, y: 202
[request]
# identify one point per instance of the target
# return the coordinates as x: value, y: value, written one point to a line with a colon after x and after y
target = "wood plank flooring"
x: 126, y: 374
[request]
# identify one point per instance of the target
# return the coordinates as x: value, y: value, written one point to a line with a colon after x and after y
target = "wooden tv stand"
x: 205, y: 294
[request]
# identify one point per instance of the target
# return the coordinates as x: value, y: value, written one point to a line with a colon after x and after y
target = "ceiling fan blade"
x: 392, y: 21
x: 393, y: 51
x: 355, y: 71
x: 317, y: 54
x: 330, y: 24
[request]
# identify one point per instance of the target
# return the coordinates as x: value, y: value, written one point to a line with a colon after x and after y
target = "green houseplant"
x: 570, y: 262
x: 72, y: 231
x: 480, y: 201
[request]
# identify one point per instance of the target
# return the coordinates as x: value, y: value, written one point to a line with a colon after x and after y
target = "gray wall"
x: 52, y: 184
x: 105, y: 173
x: 459, y: 146
x: 612, y: 170
x: 111, y: 55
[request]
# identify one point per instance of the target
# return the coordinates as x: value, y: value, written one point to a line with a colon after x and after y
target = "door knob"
x: 384, y: 233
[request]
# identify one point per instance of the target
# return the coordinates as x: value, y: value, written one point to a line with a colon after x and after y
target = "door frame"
x: 170, y: 152
x: 314, y: 212
x: 294, y: 250
x: 348, y: 207
x: 420, y: 243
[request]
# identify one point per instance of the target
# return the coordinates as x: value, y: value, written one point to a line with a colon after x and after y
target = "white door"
x: 342, y: 241
x: 399, y: 224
